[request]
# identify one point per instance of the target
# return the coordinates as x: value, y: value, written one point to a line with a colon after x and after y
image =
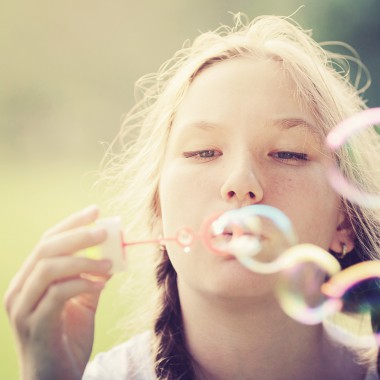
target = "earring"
x: 344, y: 252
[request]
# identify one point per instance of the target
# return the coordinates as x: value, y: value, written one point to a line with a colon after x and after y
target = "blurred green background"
x: 66, y: 78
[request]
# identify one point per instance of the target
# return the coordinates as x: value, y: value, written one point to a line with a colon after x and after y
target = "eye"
x: 292, y: 158
x: 206, y: 154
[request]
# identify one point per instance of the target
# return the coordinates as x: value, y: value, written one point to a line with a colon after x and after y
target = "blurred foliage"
x: 66, y: 78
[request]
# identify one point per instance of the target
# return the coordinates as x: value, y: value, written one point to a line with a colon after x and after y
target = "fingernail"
x: 89, y: 210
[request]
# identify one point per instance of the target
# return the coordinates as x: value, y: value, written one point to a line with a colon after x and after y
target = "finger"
x: 69, y: 242
x: 60, y: 244
x: 53, y: 270
x: 80, y: 218
x: 48, y: 314
x: 77, y: 219
x: 47, y: 272
x: 59, y: 293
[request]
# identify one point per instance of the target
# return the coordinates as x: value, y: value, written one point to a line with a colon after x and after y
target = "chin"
x: 232, y: 280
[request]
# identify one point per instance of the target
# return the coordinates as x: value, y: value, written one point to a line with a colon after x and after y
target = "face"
x: 240, y: 137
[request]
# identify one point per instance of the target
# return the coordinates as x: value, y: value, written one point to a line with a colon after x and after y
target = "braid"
x: 173, y: 361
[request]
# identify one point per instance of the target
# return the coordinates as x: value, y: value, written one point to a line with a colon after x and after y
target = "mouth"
x: 228, y: 224
x: 257, y: 232
x: 243, y: 243
x: 229, y: 235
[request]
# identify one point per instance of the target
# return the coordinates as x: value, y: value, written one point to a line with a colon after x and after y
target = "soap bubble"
x: 305, y: 268
x: 345, y: 136
x: 357, y: 322
x: 185, y: 237
x: 256, y: 235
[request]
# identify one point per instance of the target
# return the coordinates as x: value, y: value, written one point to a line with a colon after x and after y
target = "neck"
x: 245, y: 339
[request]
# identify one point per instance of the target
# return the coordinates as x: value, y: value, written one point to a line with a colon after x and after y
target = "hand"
x: 52, y: 300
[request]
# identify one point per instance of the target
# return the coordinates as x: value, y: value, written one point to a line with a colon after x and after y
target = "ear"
x: 344, y: 234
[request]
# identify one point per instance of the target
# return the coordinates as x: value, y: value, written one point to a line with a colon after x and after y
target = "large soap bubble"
x: 357, y: 321
x: 256, y: 235
x: 346, y: 136
x: 306, y: 268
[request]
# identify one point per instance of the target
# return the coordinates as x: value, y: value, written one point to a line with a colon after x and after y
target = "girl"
x: 236, y: 119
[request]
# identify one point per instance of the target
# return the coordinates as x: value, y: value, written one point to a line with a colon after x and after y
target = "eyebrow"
x: 283, y: 123
x: 288, y: 123
x: 203, y: 125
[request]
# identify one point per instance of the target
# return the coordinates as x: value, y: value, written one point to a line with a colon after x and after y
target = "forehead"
x: 243, y: 90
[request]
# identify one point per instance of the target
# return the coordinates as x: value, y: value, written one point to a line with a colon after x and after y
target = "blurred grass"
x: 34, y: 197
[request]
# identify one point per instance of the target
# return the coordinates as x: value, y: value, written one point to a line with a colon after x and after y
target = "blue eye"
x: 291, y: 157
x: 202, y: 154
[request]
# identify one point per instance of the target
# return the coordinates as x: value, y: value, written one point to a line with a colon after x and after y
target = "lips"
x: 222, y: 230
x: 246, y: 244
x: 230, y: 235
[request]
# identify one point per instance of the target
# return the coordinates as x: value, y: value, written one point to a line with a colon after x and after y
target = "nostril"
x: 231, y: 194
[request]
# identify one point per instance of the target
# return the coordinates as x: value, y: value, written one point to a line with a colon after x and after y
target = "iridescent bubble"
x: 357, y: 322
x: 225, y: 233
x: 185, y: 237
x: 305, y: 268
x: 345, y: 136
x: 257, y: 235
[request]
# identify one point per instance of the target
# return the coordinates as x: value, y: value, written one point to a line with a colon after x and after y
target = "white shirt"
x: 132, y: 361
x: 127, y: 361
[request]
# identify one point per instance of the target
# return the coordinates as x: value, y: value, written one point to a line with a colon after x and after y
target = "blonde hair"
x: 322, y: 80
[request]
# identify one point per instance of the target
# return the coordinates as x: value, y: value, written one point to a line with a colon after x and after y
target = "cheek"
x: 185, y: 202
x: 311, y: 205
x: 185, y: 198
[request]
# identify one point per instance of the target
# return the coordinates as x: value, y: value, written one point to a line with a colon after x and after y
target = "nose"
x: 242, y: 185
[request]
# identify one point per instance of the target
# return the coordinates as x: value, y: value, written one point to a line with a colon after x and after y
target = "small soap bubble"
x: 185, y: 237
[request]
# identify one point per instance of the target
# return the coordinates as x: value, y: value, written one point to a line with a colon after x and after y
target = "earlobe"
x: 343, y: 241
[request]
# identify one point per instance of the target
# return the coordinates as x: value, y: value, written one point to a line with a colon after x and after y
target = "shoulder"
x: 129, y: 360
